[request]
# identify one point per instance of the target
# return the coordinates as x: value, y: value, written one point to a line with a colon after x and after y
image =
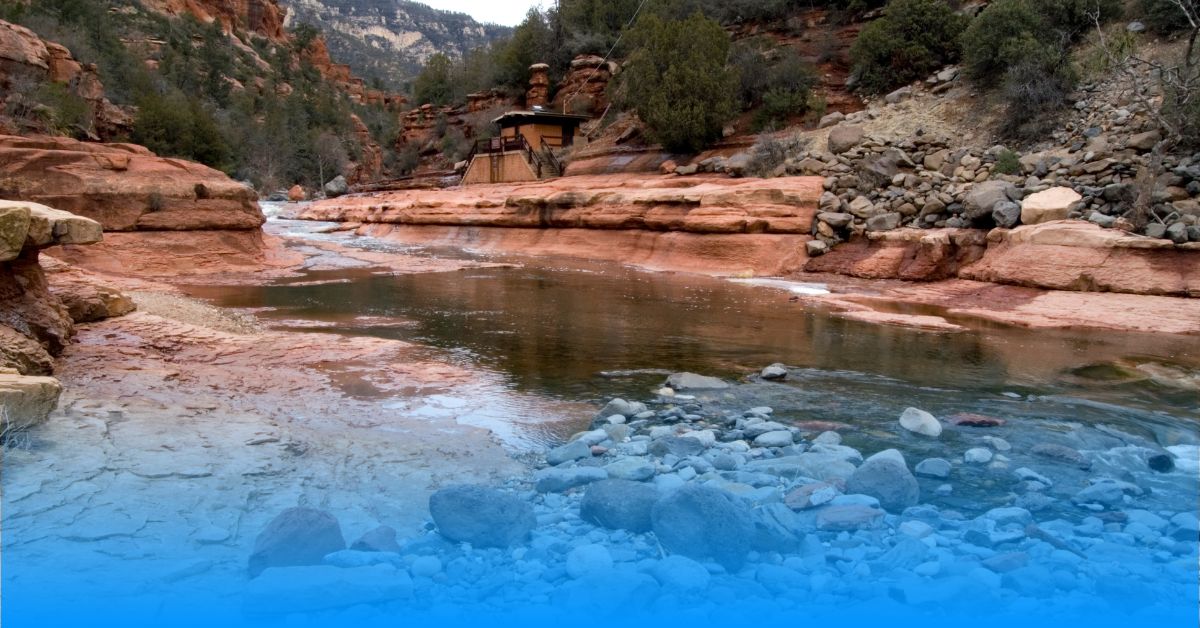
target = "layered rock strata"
x: 124, y: 187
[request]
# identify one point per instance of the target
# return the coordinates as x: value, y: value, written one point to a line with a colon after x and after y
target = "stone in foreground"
x: 701, y: 522
x: 481, y: 516
x: 26, y: 401
x: 296, y: 537
x: 920, y: 422
x: 885, y: 476
x: 619, y: 504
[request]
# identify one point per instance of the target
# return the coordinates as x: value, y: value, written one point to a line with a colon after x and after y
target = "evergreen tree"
x: 677, y: 81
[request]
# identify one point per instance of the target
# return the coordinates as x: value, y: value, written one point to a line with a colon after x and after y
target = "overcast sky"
x: 506, y: 12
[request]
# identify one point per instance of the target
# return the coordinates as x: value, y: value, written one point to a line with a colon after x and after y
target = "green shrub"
x: 1007, y: 31
x: 65, y: 112
x: 912, y: 39
x: 677, y: 82
x: 433, y: 85
x: 1007, y: 162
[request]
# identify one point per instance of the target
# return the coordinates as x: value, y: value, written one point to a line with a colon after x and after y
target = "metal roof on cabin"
x: 533, y: 117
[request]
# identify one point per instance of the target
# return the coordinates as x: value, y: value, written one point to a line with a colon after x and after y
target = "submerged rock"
x: 920, y: 422
x: 885, y: 476
x: 481, y: 516
x: 692, y: 381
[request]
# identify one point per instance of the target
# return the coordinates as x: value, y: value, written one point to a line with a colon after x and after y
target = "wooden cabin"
x: 524, y: 151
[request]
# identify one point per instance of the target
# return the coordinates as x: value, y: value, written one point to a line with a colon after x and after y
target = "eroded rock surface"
x: 124, y: 187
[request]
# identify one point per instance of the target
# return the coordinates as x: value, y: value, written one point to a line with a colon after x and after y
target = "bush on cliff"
x: 911, y: 40
x: 174, y: 126
x: 1025, y: 46
x: 677, y: 82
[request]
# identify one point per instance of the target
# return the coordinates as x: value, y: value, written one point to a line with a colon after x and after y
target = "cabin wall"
x: 534, y: 134
x: 509, y: 168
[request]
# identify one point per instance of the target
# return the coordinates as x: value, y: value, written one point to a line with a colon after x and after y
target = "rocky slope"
x: 27, y: 62
x: 390, y: 39
x: 263, y: 17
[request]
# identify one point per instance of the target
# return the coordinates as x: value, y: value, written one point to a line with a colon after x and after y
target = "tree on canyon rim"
x: 677, y: 80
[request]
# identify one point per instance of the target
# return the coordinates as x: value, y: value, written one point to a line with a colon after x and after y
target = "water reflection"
x: 553, y: 331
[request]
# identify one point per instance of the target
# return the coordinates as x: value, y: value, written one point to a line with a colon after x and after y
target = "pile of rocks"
x: 1087, y: 170
x: 679, y: 501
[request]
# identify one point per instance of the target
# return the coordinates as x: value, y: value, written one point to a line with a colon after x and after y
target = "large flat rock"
x: 708, y: 205
x: 26, y: 401
x: 124, y: 187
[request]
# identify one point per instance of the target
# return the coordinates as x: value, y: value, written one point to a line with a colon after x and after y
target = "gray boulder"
x: 775, y: 372
x: 884, y: 222
x: 692, y: 381
x: 1006, y: 214
x: 702, y: 522
x: 296, y: 537
x: 559, y: 479
x: 680, y: 446
x: 843, y: 137
x: 337, y: 187
x: 575, y: 450
x: 984, y: 197
x: 619, y: 504
x: 481, y: 516
x: 885, y: 476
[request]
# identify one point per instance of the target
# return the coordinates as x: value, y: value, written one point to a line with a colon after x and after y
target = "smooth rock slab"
x: 702, y: 522
x: 619, y: 504
x: 481, y: 516
x: 286, y: 590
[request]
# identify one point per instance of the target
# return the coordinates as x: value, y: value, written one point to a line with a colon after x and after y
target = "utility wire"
x: 596, y: 69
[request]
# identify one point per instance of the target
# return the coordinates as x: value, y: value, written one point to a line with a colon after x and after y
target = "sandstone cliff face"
x: 27, y: 61
x: 261, y: 17
x: 35, y: 323
x: 124, y: 187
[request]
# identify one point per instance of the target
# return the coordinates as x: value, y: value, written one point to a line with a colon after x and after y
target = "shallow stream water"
x: 579, y: 331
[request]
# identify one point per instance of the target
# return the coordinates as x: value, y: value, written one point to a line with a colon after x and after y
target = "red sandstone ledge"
x: 713, y: 205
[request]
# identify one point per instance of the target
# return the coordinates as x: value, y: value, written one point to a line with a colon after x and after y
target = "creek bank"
x: 692, y: 503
